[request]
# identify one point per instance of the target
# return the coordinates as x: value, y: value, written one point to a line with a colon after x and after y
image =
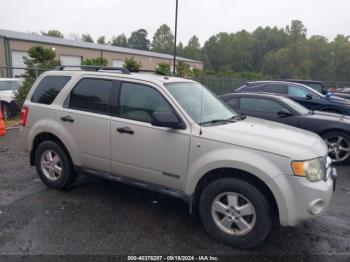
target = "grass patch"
x: 13, y: 122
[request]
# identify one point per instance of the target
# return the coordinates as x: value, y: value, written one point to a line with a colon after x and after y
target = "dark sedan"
x: 300, y: 93
x: 333, y: 128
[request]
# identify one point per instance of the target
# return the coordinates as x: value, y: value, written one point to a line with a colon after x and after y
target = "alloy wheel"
x: 338, y: 148
x: 51, y: 165
x: 233, y: 213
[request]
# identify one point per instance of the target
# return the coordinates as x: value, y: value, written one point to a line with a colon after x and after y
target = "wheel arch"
x: 334, y: 129
x: 218, y: 173
x: 46, y: 136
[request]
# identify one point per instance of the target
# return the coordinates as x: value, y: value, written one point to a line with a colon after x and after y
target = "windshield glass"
x: 296, y: 106
x: 9, y: 85
x: 202, y: 105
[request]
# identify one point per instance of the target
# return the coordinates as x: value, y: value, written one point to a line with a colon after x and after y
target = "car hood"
x: 320, y: 115
x: 337, y: 99
x: 7, y: 95
x: 270, y: 137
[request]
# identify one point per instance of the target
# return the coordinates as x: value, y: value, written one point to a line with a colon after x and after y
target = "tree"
x: 74, y: 37
x: 39, y: 60
x: 53, y: 33
x: 163, y: 40
x: 99, y: 61
x: 183, y: 69
x: 163, y: 69
x: 320, y: 55
x: 340, y: 58
x: 193, y: 49
x: 120, y: 40
x: 87, y: 38
x: 132, y: 65
x: 138, y: 40
x: 101, y: 40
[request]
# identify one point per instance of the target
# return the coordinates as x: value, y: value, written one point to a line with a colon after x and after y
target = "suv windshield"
x: 296, y: 106
x: 202, y: 105
x: 9, y: 85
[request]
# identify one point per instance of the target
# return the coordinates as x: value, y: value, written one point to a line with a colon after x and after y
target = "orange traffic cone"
x: 2, y: 125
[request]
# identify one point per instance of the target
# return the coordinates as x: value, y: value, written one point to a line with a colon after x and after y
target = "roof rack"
x: 95, y: 68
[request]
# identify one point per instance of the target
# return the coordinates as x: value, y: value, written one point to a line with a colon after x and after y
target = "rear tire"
x: 54, y: 166
x: 244, y: 220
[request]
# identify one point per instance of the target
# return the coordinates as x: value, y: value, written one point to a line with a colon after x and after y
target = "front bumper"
x: 299, y: 199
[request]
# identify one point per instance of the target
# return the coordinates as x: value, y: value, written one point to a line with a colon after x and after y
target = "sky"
x: 203, y: 18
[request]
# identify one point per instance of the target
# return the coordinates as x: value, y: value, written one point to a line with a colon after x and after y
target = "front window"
x: 296, y: 106
x: 202, y: 105
x: 9, y: 85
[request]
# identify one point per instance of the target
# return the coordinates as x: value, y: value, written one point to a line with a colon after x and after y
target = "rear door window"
x: 48, y: 88
x: 275, y: 89
x: 92, y: 95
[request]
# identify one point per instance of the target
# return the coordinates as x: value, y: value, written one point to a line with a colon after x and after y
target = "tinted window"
x: 233, y: 102
x: 91, y: 95
x: 275, y: 88
x: 317, y: 87
x: 48, y: 89
x: 138, y: 102
x: 260, y: 105
x: 297, y: 91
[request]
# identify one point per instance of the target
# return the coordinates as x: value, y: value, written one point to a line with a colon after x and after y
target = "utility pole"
x: 174, y: 62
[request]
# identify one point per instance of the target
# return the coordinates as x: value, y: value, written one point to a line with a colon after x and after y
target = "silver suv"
x: 173, y: 136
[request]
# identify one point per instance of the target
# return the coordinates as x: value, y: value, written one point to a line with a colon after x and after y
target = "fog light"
x: 316, y: 206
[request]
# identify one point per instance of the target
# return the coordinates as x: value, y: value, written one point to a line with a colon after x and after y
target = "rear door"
x: 141, y: 151
x: 86, y: 119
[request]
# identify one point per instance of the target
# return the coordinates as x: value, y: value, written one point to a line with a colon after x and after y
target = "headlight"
x: 311, y: 169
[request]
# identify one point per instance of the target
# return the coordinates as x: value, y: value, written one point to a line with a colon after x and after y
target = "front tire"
x: 54, y: 166
x: 235, y: 213
x: 338, y: 146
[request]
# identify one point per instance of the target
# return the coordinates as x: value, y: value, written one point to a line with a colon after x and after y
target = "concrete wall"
x: 148, y: 63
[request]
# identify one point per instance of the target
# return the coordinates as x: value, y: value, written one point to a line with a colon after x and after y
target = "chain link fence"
x: 218, y: 85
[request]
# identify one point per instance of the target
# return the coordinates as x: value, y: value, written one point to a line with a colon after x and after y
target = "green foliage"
x: 138, y: 40
x: 183, y: 69
x: 87, y: 38
x: 277, y: 53
x: 53, y: 33
x: 101, y: 40
x: 163, y: 69
x: 39, y: 59
x: 193, y: 49
x: 120, y: 40
x: 132, y: 65
x: 163, y: 40
x: 99, y: 61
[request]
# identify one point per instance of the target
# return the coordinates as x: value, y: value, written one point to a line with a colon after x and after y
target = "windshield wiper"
x: 231, y: 119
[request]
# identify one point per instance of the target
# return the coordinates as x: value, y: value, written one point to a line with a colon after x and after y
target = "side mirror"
x: 284, y: 113
x: 166, y: 119
x: 308, y: 97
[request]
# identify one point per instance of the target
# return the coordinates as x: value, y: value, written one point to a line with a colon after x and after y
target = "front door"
x: 144, y: 152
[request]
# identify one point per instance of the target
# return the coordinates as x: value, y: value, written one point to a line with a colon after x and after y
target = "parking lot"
x: 102, y: 217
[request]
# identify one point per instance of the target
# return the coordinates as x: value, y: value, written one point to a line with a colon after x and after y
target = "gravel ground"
x: 102, y: 217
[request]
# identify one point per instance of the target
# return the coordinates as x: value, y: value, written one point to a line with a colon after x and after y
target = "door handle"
x: 125, y: 130
x: 67, y: 119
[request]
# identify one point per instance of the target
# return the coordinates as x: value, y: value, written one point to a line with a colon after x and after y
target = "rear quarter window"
x: 48, y: 88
